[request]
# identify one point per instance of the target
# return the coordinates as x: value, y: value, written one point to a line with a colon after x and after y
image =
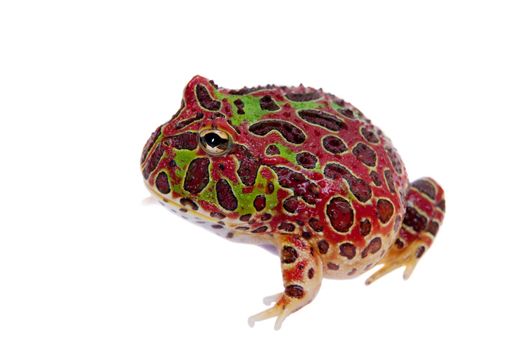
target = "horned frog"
x: 298, y: 170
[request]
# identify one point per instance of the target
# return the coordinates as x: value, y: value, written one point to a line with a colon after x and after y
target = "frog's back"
x: 342, y: 180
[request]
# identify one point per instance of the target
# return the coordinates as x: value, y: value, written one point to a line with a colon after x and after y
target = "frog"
x: 298, y: 171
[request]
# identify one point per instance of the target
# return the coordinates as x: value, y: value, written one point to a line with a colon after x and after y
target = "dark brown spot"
x: 153, y: 161
x: 441, y: 204
x: 272, y: 150
x: 394, y: 159
x: 425, y: 187
x: 359, y: 187
x: 415, y: 220
x: 332, y: 266
x: 162, y: 183
x: 385, y: 210
x: 248, y: 164
x: 181, y: 124
x: 369, y: 135
x: 347, y: 112
x: 286, y: 226
x: 259, y: 202
x: 290, y: 132
x: 205, y: 99
x: 266, y: 217
x: 306, y: 160
x: 365, y: 154
x: 291, y: 204
x: 151, y: 141
x: 225, y: 195
x: 189, y: 203
x: 186, y: 140
x: 230, y: 234
x: 347, y: 250
x: 216, y: 226
x: 323, y: 246
x: 245, y: 217
x: 351, y: 272
x: 420, y: 251
x: 399, y: 243
x: 294, y: 291
x: 303, y: 97
x: 372, y: 247
x: 260, y: 229
x: 240, y: 106
x: 288, y: 255
x: 306, y: 235
x: 364, y: 227
x: 197, y: 175
x: 375, y: 178
x: 334, y: 144
x: 340, y: 213
x: 315, y: 224
x: 182, y: 210
x: 311, y: 273
x: 217, y: 215
x: 321, y: 118
x: 390, y: 180
x: 433, y: 228
x: 301, y: 186
x: 268, y: 104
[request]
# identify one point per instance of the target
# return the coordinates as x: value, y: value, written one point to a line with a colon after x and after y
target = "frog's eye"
x: 215, y: 142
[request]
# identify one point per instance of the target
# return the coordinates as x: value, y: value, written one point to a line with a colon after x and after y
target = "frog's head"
x: 201, y: 162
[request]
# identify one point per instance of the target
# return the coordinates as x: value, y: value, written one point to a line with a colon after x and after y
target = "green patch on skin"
x: 245, y: 200
x: 183, y: 157
x: 252, y: 108
x: 208, y: 194
x: 305, y: 105
x: 289, y: 155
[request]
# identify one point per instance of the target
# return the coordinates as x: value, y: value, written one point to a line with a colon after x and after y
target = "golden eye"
x: 215, y: 142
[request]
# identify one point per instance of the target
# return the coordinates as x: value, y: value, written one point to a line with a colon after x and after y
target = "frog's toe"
x: 278, y: 310
x: 269, y: 300
x: 408, y: 259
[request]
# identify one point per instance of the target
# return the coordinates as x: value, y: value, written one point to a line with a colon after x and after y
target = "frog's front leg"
x: 302, y: 271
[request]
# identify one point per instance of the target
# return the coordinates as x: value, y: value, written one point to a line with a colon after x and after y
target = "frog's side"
x: 296, y: 169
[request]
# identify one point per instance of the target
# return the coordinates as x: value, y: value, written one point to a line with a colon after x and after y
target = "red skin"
x: 329, y: 187
x: 341, y: 250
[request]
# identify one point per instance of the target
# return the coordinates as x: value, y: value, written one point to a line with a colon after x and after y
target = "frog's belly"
x: 221, y: 227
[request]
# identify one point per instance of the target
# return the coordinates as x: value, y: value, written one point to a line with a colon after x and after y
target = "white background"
x: 84, y: 265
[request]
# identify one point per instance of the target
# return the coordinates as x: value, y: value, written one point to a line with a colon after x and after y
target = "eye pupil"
x: 214, y: 140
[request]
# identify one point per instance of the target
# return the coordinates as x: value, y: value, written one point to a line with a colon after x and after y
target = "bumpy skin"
x: 305, y: 173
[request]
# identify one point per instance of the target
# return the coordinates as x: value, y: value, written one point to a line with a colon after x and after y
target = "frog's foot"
x: 395, y: 259
x: 302, y: 274
x: 424, y: 214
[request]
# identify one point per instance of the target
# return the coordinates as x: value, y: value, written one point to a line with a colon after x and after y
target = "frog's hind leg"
x: 425, y: 209
x: 302, y: 274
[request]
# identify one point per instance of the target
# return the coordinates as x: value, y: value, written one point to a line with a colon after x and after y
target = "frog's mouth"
x: 177, y: 207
